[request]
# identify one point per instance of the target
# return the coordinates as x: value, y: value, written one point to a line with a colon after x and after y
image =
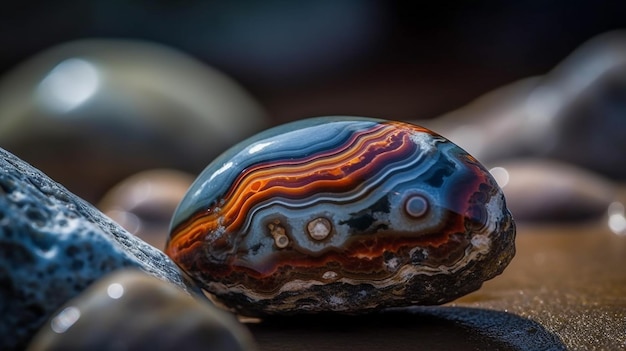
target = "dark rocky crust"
x: 53, y: 245
x: 365, y: 298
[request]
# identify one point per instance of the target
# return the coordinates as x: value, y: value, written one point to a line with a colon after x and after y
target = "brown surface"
x: 565, y: 289
x: 569, y: 279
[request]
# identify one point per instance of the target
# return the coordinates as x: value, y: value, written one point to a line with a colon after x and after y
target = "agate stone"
x: 342, y: 214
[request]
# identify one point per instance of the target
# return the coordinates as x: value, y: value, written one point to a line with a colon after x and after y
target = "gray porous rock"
x: 53, y: 245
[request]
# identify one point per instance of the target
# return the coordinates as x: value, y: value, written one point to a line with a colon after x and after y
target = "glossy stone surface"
x: 112, y: 108
x: 53, y: 245
x: 129, y: 310
x: 342, y: 214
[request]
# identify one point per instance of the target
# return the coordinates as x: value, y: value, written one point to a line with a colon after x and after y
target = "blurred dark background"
x: 128, y: 106
x: 393, y: 59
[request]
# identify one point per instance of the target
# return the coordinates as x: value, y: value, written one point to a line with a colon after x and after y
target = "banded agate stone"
x: 342, y: 214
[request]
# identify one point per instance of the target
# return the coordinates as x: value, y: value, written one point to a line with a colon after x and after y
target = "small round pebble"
x: 129, y: 310
x: 144, y: 203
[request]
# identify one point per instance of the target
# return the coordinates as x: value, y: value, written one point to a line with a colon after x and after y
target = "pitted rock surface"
x: 53, y: 245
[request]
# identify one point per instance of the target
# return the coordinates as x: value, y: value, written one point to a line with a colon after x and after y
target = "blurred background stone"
x: 540, y: 190
x: 90, y: 113
x: 129, y: 310
x: 144, y: 203
x: 573, y: 114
